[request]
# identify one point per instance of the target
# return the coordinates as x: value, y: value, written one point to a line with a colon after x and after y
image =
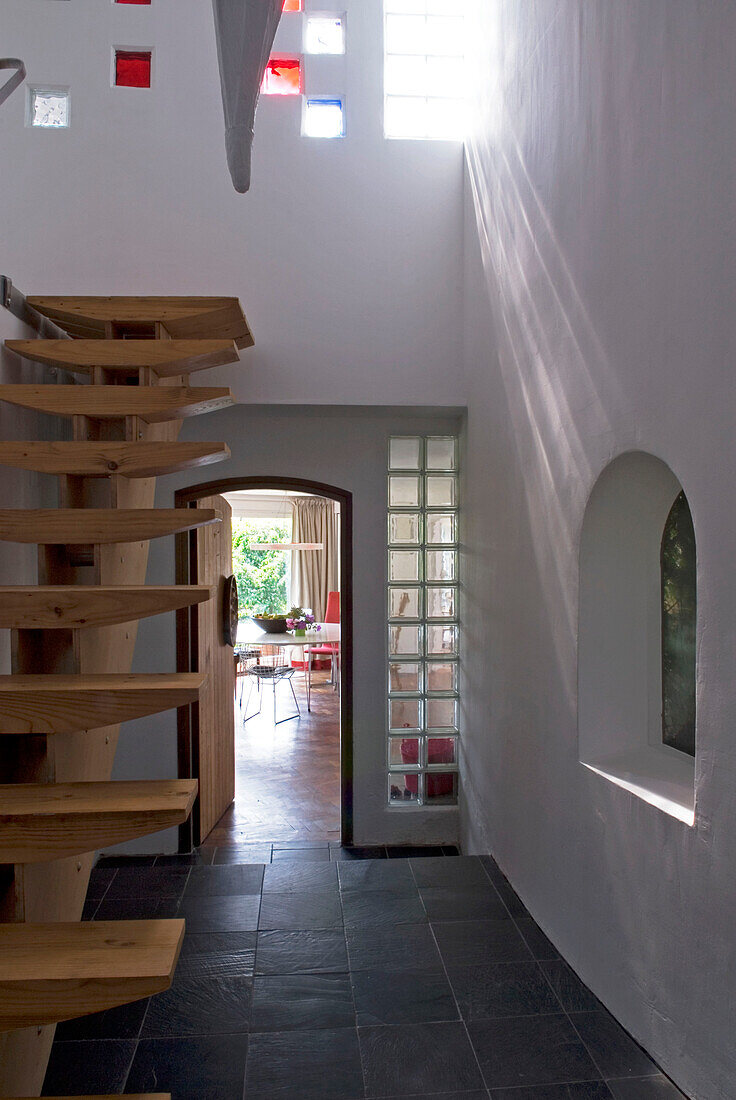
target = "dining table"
x: 249, y: 634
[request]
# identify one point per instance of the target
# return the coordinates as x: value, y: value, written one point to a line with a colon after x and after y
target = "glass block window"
x: 132, y: 1
x: 679, y: 616
x: 324, y: 117
x: 422, y: 619
x: 48, y: 108
x: 424, y: 69
x: 325, y: 33
x: 293, y: 5
x: 283, y: 76
x: 133, y: 68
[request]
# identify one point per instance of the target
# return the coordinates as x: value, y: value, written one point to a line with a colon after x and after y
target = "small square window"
x: 325, y: 33
x: 48, y: 108
x: 292, y: 5
x: 133, y: 68
x: 283, y: 76
x: 132, y: 1
x: 324, y: 118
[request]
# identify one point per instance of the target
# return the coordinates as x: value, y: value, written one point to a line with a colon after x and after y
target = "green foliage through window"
x: 261, y: 574
x: 679, y: 608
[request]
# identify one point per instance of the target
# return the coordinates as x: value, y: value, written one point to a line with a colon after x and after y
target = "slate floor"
x: 318, y: 978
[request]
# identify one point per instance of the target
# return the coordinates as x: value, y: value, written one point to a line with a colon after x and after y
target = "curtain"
x: 245, y: 32
x: 314, y: 573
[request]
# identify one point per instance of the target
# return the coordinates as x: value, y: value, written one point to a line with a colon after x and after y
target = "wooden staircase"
x: 72, y: 641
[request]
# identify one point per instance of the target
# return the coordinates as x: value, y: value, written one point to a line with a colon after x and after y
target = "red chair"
x: 437, y: 785
x: 329, y: 649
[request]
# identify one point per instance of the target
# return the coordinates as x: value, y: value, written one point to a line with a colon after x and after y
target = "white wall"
x: 346, y: 255
x: 600, y: 270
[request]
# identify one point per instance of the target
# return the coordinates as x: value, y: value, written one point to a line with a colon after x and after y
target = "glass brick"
x: 446, y: 119
x: 49, y: 108
x: 441, y: 453
x: 441, y: 528
x: 405, y: 714
x: 405, y: 453
x: 133, y: 68
x: 446, y: 79
x: 441, y: 565
x: 441, y: 640
x: 405, y: 75
x: 283, y: 76
x: 403, y: 751
x: 405, y: 34
x: 406, y: 7
x: 444, y: 36
x: 293, y: 5
x: 441, y: 676
x: 325, y: 34
x: 405, y: 116
x: 404, y: 491
x: 441, y: 788
x: 404, y: 603
x: 324, y: 118
x: 404, y: 640
x: 404, y: 676
x: 404, y: 529
x: 441, y: 603
x: 441, y: 491
x: 442, y: 714
x: 403, y: 789
x: 441, y: 750
x: 404, y: 565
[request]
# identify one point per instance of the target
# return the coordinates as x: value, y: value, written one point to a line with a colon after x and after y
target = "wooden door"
x: 213, y: 726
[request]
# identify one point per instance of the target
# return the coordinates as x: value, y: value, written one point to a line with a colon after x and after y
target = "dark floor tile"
x: 511, y: 899
x: 462, y: 903
x: 88, y: 1067
x: 301, y: 912
x: 200, y: 857
x: 539, y: 945
x: 291, y: 1001
x: 126, y: 861
x: 573, y: 994
x: 245, y: 878
x: 121, y: 1022
x: 450, y: 850
x: 142, y: 882
x: 227, y: 856
x: 288, y: 875
x: 474, y: 1095
x: 402, y: 997
x: 407, y: 851
x: 583, y: 1090
x: 405, y: 947
x: 304, y: 1065
x: 99, y: 881
x: 612, y: 1049
x: 502, y: 989
x: 347, y: 854
x: 381, y: 909
x: 223, y: 914
x: 386, y: 874
x: 149, y: 908
x: 219, y: 953
x: 645, y: 1088
x: 416, y: 1059
x: 192, y: 1068
x: 478, y: 942
x: 461, y: 871
x: 300, y: 845
x: 89, y: 909
x: 199, y: 1005
x: 301, y: 953
x: 302, y: 855
x: 530, y: 1050
x: 492, y: 869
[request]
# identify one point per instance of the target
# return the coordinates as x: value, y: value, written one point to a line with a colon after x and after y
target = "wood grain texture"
x: 75, y: 607
x: 53, y: 972
x: 45, y: 821
x: 130, y: 1096
x: 55, y: 703
x: 165, y: 357
x: 86, y: 458
x: 98, y: 526
x: 153, y: 404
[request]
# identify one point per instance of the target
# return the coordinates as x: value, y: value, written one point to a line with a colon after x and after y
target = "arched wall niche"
x: 620, y: 635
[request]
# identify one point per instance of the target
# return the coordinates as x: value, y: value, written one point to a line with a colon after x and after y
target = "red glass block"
x: 283, y: 76
x: 133, y: 68
x: 132, y: 1
x: 292, y: 5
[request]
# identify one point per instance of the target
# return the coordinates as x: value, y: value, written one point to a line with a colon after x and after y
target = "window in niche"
x: 283, y: 76
x: 292, y: 5
x: 133, y: 68
x: 325, y: 33
x: 679, y: 608
x: 48, y: 108
x: 324, y: 118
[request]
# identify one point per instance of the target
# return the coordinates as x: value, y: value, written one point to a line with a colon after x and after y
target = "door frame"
x: 187, y: 718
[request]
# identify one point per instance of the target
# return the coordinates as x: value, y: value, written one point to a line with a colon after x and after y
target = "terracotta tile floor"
x: 287, y: 777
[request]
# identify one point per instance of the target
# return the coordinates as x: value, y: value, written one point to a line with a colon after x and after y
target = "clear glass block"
x: 444, y: 36
x: 403, y: 789
x: 404, y: 491
x: 405, y: 714
x: 404, y: 640
x: 441, y: 750
x: 325, y: 34
x: 441, y: 788
x: 441, y: 565
x: 441, y: 603
x: 404, y: 528
x: 441, y: 453
x: 442, y: 713
x: 441, y: 676
x: 446, y: 119
x: 49, y: 108
x: 403, y: 752
x: 405, y: 116
x: 404, y: 565
x: 324, y: 117
x: 441, y: 528
x: 404, y: 75
x: 405, y: 453
x: 447, y: 77
x: 404, y: 602
x: 405, y: 34
x: 441, y: 640
x: 407, y: 7
x: 441, y: 490
x: 404, y: 676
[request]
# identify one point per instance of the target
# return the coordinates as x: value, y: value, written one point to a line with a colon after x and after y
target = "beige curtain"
x: 314, y: 573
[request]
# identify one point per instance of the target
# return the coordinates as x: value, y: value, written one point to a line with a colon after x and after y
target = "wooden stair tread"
x: 52, y: 972
x: 98, y: 526
x: 75, y: 606
x: 166, y: 357
x: 183, y: 317
x: 41, y: 703
x: 45, y: 821
x: 128, y: 1096
x: 154, y: 404
x: 102, y: 459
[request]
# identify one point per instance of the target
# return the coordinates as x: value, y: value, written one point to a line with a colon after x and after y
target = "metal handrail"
x: 15, y: 80
x: 17, y: 303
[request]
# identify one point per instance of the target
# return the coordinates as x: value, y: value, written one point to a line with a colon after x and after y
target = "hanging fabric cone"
x: 245, y: 31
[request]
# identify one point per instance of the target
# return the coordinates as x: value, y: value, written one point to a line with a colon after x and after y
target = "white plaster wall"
x: 600, y: 269
x: 347, y: 255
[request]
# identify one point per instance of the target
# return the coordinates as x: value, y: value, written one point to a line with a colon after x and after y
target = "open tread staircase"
x: 92, y: 458
x: 153, y: 404
x: 167, y: 358
x: 76, y: 606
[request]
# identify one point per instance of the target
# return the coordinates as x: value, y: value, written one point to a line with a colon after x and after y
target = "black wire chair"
x: 274, y: 672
